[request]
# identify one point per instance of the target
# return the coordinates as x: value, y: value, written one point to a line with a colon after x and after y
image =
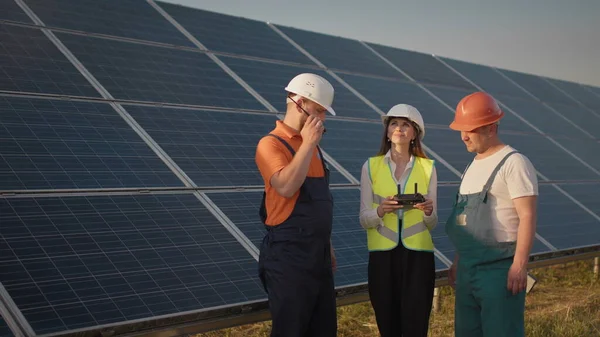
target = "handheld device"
x: 409, y: 199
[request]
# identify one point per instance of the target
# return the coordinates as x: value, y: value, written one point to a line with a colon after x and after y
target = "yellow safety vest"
x: 415, y: 235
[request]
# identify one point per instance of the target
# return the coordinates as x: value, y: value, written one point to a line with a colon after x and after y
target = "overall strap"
x: 490, y: 180
x: 289, y: 147
x: 322, y: 160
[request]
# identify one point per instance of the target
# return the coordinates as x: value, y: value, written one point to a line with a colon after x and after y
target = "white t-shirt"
x: 516, y: 178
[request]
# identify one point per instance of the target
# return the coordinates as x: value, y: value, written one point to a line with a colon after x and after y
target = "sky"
x: 553, y: 38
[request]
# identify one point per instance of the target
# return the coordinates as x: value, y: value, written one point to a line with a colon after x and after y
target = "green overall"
x: 484, y: 307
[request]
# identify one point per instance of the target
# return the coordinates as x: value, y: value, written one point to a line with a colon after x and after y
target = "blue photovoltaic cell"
x: 270, y: 80
x: 448, y: 144
x: 387, y: 93
x: 212, y: 148
x: 595, y: 90
x: 549, y: 122
x: 582, y: 117
x: 31, y: 63
x: 348, y: 237
x: 452, y: 97
x: 549, y: 159
x: 585, y: 149
x: 341, y: 53
x: 242, y: 209
x: 127, y: 18
x: 586, y: 193
x: 538, y: 87
x: 225, y: 33
x: 48, y: 144
x: 421, y: 67
x: 4, y: 329
x: 487, y: 78
x: 579, y: 93
x: 78, y: 262
x: 351, y: 144
x: 562, y: 222
x: 9, y: 10
x: 446, y: 197
x: 147, y: 73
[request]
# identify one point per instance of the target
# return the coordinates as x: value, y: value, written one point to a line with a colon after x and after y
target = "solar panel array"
x: 110, y: 110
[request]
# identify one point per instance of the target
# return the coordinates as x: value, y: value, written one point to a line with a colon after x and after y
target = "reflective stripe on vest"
x: 415, y: 235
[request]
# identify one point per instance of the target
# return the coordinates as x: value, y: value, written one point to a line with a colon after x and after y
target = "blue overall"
x: 295, y: 263
x: 484, y: 307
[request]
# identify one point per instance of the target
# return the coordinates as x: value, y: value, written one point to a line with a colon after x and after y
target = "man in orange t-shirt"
x: 296, y: 260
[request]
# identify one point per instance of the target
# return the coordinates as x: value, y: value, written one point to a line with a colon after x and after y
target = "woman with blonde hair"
x: 401, y: 271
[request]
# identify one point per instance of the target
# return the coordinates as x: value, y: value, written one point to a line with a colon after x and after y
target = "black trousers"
x: 401, y: 283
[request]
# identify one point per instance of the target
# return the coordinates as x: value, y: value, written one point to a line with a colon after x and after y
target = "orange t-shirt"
x: 271, y: 157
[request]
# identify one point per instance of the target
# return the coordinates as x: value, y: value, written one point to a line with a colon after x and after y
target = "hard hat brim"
x: 331, y: 111
x: 470, y: 127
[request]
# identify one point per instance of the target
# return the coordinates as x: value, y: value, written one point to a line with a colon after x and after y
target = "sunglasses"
x: 306, y: 112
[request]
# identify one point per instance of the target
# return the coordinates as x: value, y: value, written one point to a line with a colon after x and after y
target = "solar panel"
x: 101, y: 259
x: 4, y: 329
x: 582, y: 117
x: 555, y: 210
x: 595, y: 90
x: 578, y: 93
x: 213, y: 148
x: 54, y: 144
x: 487, y: 78
x: 225, y: 33
x: 270, y: 79
x: 550, y: 122
x: 421, y: 67
x: 9, y: 10
x: 134, y: 19
x: 340, y: 53
x: 77, y: 262
x: 386, y: 93
x: 585, y: 149
x: 541, y: 89
x: 147, y: 73
x: 31, y: 63
x: 586, y: 193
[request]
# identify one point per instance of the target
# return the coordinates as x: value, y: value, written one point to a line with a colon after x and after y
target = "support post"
x: 531, y: 281
x: 596, y: 268
x: 436, y: 299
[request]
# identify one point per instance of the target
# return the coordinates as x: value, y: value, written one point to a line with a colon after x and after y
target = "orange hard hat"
x: 475, y: 110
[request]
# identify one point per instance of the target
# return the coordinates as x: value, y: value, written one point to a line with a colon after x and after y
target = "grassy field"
x: 565, y: 302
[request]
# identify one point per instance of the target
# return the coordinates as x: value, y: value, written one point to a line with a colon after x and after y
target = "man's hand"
x: 312, y: 131
x: 517, y: 278
x: 388, y: 205
x: 426, y: 207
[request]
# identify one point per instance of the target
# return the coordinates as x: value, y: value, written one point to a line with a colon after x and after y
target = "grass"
x: 565, y: 302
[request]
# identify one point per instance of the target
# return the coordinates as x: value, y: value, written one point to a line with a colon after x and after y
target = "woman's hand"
x: 426, y: 207
x: 388, y: 205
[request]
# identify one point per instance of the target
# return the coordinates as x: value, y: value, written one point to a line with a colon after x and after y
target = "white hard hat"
x: 313, y: 87
x: 409, y: 112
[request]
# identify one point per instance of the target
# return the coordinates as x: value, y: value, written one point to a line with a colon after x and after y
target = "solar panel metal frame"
x: 215, y: 318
